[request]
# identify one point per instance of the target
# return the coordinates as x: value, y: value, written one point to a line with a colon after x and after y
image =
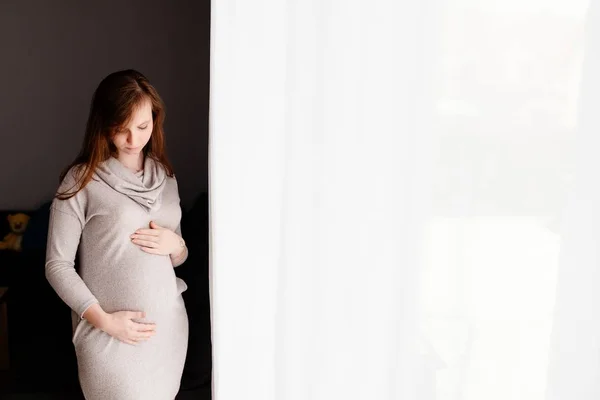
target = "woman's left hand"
x: 157, y: 240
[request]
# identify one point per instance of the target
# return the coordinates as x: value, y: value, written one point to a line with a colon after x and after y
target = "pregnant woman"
x: 117, y: 209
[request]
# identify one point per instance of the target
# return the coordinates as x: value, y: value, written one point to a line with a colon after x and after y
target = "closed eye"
x: 142, y: 127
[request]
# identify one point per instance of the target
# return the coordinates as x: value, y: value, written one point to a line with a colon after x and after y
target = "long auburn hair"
x: 112, y: 106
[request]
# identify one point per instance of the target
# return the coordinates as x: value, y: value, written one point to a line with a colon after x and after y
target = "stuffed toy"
x: 18, y: 224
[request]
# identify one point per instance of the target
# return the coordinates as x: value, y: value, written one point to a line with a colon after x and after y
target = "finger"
x: 149, y: 238
x: 150, y: 232
x: 128, y: 341
x: 145, y: 243
x: 147, y: 333
x: 144, y: 336
x: 136, y: 314
x: 151, y: 250
x: 143, y: 327
x: 154, y: 225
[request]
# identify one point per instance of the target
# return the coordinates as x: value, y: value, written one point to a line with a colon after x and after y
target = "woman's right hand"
x: 120, y: 325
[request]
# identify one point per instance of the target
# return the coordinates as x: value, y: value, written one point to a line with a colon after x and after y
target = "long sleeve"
x: 64, y: 233
x: 182, y: 258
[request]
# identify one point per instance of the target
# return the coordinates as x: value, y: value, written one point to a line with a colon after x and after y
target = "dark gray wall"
x: 54, y: 54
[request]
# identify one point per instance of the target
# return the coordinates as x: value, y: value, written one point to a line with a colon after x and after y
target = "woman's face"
x: 132, y: 138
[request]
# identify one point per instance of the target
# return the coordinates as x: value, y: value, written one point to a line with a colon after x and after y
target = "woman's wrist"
x: 96, y: 316
x: 180, y: 251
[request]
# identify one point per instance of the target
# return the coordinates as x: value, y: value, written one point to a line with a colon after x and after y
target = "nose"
x: 130, y: 139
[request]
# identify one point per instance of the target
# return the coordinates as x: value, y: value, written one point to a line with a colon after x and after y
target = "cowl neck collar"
x: 143, y: 188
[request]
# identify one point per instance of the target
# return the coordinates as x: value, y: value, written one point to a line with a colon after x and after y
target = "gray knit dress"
x: 96, y: 224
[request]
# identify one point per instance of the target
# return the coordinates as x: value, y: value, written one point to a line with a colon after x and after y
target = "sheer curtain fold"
x: 574, y: 362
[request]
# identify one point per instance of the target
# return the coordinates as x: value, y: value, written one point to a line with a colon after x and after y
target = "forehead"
x: 141, y: 113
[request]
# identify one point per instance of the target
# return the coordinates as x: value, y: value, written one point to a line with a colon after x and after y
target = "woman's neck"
x: 132, y: 162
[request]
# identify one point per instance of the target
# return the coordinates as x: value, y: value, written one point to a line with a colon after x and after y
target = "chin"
x: 132, y: 152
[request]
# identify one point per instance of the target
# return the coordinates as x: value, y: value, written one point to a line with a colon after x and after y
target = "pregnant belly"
x: 145, y: 282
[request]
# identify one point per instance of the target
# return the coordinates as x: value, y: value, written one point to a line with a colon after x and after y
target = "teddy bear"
x: 18, y: 224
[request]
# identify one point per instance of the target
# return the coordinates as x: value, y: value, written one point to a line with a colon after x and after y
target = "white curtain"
x: 404, y: 199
